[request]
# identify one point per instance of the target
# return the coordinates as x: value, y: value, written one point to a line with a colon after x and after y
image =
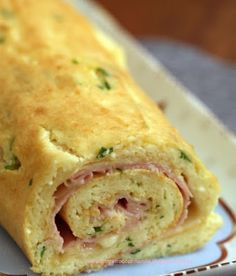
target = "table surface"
x: 209, y: 24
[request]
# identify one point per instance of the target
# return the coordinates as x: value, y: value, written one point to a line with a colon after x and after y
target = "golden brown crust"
x: 63, y: 96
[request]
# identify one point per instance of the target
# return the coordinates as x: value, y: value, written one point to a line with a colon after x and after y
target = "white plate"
x: 215, y: 145
x: 13, y: 261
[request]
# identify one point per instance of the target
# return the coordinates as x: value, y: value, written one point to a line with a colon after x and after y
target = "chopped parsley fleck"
x: 104, y: 152
x: 102, y: 75
x: 135, y: 251
x: 42, y: 251
x: 169, y: 245
x: 105, y: 85
x: 6, y: 13
x: 97, y: 229
x: 158, y: 206
x: 102, y: 72
x: 161, y: 217
x: 14, y: 163
x: 130, y: 243
x: 75, y: 61
x: 184, y: 156
x: 31, y: 182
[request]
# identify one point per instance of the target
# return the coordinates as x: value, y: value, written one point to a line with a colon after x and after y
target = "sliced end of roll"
x: 112, y: 211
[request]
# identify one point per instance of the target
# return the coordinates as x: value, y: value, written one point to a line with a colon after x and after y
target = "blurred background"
x: 194, y: 39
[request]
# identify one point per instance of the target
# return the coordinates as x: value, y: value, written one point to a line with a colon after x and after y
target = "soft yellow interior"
x: 116, y: 235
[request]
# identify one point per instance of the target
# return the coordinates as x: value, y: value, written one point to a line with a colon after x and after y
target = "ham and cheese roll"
x: 91, y: 172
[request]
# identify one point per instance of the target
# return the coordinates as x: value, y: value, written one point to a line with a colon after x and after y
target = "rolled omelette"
x: 91, y: 171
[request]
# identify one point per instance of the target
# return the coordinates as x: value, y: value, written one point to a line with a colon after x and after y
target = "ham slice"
x: 123, y: 202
